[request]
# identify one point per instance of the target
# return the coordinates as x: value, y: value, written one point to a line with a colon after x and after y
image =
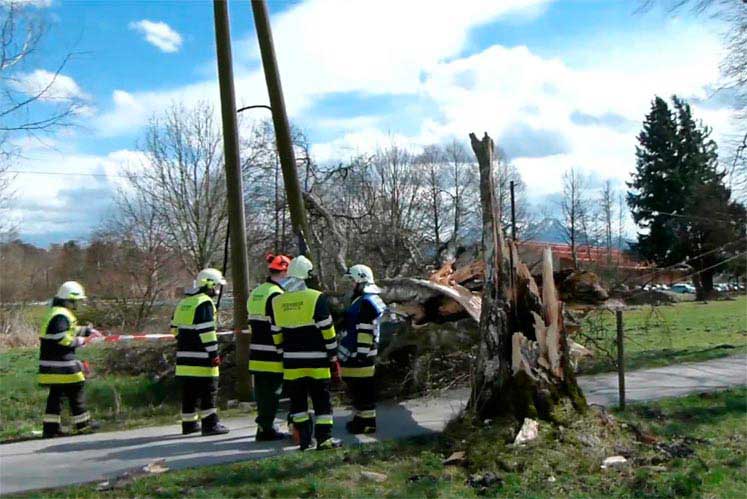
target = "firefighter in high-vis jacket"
x: 305, y: 335
x: 359, y: 346
x: 197, y: 358
x: 58, y: 367
x: 265, y: 362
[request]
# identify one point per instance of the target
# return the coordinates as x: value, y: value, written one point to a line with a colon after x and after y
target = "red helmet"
x: 277, y: 262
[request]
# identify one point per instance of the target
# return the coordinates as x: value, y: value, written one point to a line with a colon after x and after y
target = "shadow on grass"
x: 695, y: 411
x: 292, y: 465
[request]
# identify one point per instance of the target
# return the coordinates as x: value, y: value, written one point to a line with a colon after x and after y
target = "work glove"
x: 85, y: 368
x: 217, y: 361
x: 92, y: 335
x: 334, y: 368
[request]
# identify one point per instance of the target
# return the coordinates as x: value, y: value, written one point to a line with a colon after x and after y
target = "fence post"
x: 620, y: 359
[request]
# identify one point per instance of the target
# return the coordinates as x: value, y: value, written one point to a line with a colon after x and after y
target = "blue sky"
x: 557, y: 83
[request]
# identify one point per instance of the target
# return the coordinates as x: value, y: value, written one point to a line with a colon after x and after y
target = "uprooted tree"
x: 523, y: 366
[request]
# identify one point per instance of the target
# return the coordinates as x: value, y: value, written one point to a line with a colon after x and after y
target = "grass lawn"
x: 659, y: 336
x: 700, y: 449
x: 116, y: 401
x: 654, y: 336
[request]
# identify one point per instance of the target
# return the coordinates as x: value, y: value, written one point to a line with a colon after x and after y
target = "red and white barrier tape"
x: 113, y: 338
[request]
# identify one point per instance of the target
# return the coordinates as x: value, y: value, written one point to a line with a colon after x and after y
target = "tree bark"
x: 523, y: 366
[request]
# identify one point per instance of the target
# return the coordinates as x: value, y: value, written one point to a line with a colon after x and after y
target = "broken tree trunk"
x: 340, y: 242
x: 523, y: 366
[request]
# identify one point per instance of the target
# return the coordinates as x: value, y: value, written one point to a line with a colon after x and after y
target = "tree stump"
x: 523, y: 366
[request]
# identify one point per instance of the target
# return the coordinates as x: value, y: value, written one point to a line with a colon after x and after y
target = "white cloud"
x: 327, y: 46
x: 381, y: 54
x: 158, y: 34
x: 57, y: 201
x: 504, y: 90
x: 52, y: 87
x: 378, y: 47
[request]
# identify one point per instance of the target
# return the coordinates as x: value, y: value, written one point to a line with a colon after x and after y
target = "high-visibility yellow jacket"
x: 263, y: 354
x: 59, y: 337
x: 193, y: 324
x: 303, y: 332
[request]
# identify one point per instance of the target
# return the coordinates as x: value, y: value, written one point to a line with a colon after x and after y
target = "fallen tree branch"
x: 315, y: 204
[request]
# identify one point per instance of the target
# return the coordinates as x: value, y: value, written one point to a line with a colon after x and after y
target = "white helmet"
x: 362, y: 274
x: 300, y: 268
x: 71, y: 290
x: 209, y: 278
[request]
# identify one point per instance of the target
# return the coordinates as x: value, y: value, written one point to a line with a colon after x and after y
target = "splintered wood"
x: 523, y: 363
x: 542, y: 356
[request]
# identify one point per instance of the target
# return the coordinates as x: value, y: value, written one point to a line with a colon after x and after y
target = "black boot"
x: 270, y: 435
x: 90, y: 426
x: 53, y: 430
x: 216, y: 429
x: 189, y: 427
x: 302, y: 432
x: 360, y: 426
x: 329, y: 443
x: 211, y: 426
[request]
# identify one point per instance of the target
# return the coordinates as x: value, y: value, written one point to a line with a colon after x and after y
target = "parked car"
x: 683, y: 288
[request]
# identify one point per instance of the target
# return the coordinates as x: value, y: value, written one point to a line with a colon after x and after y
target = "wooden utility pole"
x: 236, y: 217
x: 513, y: 213
x: 296, y: 206
x: 620, y: 358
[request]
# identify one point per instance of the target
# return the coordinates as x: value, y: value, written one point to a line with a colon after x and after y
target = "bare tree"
x: 139, y: 251
x: 506, y: 172
x: 574, y: 205
x: 182, y: 183
x: 6, y: 196
x: 400, y: 218
x: 35, y: 102
x: 462, y: 186
x: 30, y: 103
x: 606, y: 203
x: 621, y: 207
x: 431, y: 162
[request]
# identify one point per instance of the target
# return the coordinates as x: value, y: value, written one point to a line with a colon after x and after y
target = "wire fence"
x: 655, y: 335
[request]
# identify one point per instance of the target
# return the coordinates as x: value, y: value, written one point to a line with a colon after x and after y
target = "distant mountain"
x: 549, y: 230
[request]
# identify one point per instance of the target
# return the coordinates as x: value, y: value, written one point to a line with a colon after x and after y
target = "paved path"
x: 40, y: 464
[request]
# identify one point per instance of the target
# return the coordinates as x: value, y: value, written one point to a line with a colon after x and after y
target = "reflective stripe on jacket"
x: 303, y: 332
x: 196, y: 342
x: 263, y: 355
x: 360, y: 339
x: 59, y: 338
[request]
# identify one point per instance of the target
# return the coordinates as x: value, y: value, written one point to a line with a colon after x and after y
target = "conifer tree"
x: 678, y: 196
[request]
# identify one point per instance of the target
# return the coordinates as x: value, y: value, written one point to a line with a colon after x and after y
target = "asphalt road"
x: 38, y: 464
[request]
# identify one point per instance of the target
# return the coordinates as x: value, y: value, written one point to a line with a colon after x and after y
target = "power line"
x: 69, y: 174
x: 727, y: 260
x: 655, y: 213
x: 650, y: 276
